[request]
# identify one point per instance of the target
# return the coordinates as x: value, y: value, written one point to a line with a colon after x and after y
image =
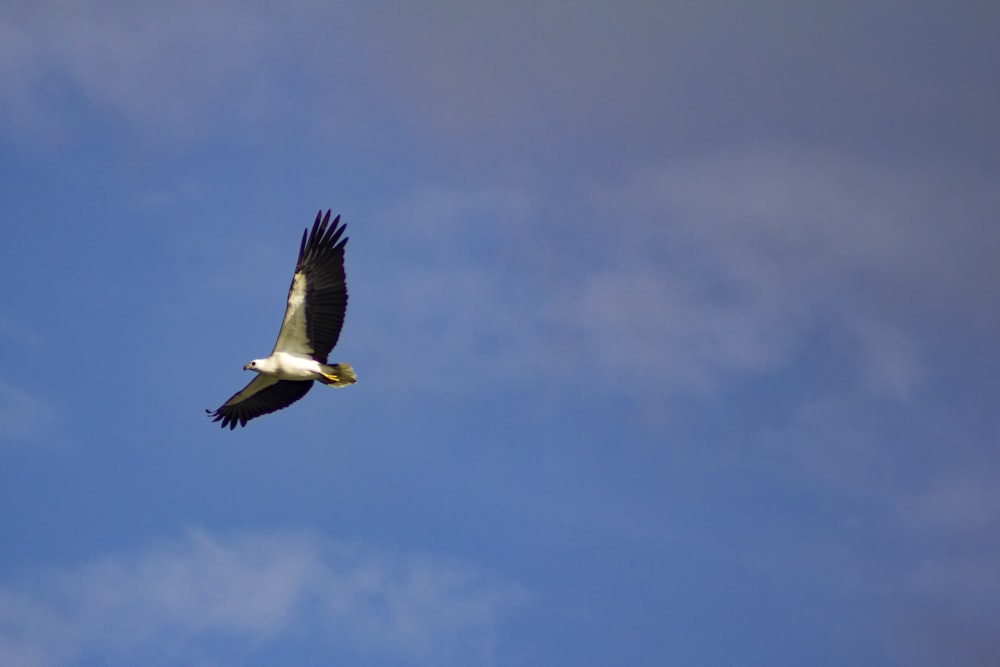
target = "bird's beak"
x: 246, y: 367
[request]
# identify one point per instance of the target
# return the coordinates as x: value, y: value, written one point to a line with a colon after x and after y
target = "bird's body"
x: 285, y: 366
x: 298, y: 368
x: 317, y: 302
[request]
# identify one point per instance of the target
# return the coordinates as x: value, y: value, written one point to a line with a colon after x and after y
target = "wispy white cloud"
x: 632, y: 73
x: 963, y: 501
x: 909, y: 514
x: 900, y: 513
x: 948, y: 602
x: 163, y: 68
x: 745, y: 261
x: 22, y: 414
x: 444, y: 291
x: 258, y: 588
x: 687, y: 276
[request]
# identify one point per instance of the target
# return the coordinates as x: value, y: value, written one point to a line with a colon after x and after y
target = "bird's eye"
x: 253, y: 363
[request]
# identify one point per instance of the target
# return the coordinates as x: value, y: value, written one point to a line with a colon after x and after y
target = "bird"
x: 314, y: 316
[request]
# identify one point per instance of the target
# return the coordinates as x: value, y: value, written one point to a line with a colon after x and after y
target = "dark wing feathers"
x: 274, y: 395
x: 321, y: 261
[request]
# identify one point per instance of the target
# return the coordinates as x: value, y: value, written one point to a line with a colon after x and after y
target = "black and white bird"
x: 317, y: 301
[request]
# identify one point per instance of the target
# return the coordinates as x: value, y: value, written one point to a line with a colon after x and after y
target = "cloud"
x: 963, y: 502
x: 262, y: 589
x: 613, y: 83
x: 160, y: 68
x: 604, y: 82
x: 687, y: 276
x: 948, y: 609
x: 504, y: 69
x: 744, y: 262
x: 446, y: 282
x: 22, y: 414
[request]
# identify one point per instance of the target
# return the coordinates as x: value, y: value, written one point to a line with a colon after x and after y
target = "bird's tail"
x: 338, y: 375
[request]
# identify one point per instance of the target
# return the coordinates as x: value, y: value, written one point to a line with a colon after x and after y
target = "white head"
x: 258, y: 366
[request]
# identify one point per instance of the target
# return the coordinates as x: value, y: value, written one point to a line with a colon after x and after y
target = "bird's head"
x: 252, y: 366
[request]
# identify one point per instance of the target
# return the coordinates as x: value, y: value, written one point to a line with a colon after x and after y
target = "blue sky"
x: 675, y: 328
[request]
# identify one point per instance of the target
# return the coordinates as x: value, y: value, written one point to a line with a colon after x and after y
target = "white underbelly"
x: 292, y: 367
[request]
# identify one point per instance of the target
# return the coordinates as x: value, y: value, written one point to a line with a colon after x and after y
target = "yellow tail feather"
x: 338, y: 375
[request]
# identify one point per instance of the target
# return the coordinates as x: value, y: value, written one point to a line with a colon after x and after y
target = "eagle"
x: 317, y: 301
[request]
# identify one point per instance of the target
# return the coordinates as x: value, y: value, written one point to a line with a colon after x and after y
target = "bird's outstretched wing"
x: 317, y: 298
x: 262, y: 396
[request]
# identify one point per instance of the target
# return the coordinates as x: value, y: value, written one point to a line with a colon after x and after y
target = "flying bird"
x: 317, y: 301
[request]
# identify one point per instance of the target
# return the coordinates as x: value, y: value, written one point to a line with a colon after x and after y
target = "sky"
x: 675, y: 326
